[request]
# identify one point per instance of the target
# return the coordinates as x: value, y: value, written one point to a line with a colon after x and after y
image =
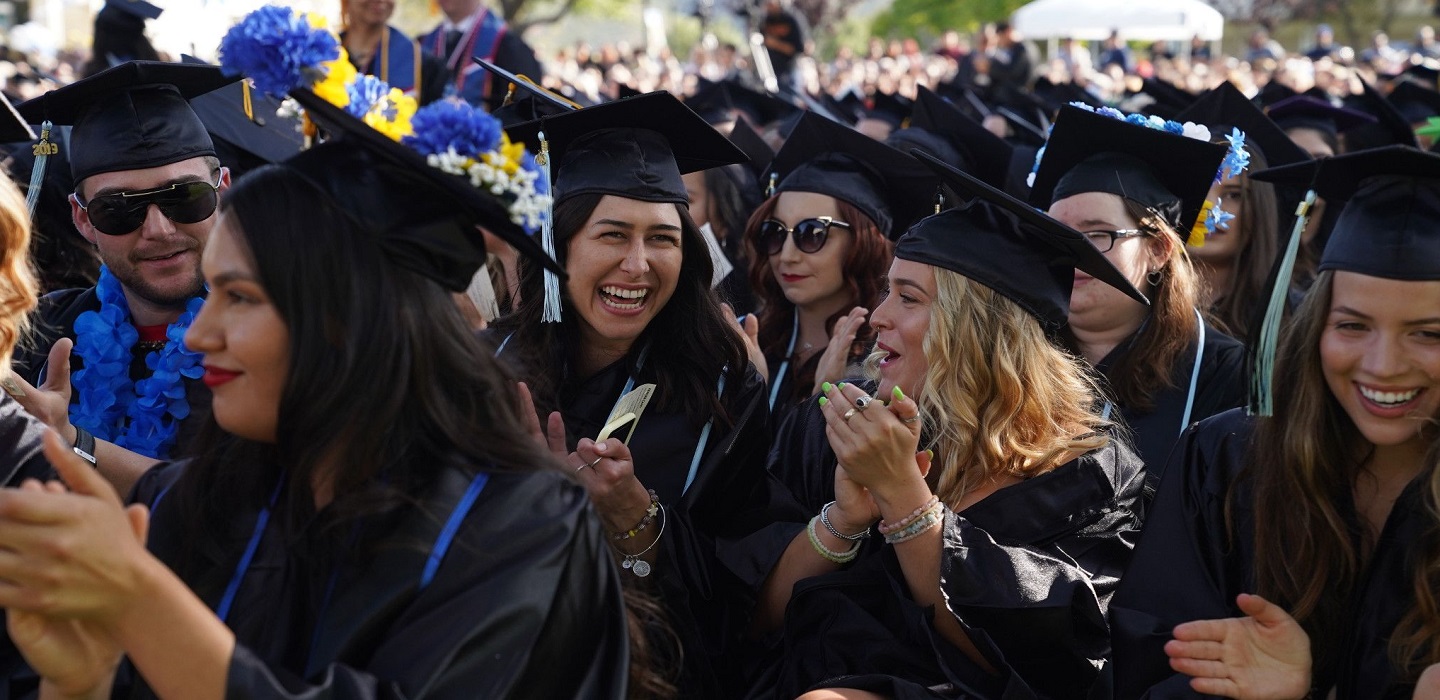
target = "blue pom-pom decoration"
x: 453, y: 124
x: 277, y: 49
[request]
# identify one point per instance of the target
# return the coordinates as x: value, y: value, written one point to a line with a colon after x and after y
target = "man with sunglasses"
x: 112, y: 372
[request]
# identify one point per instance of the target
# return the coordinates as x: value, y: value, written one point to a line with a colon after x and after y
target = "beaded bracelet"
x: 825, y: 520
x: 644, y: 522
x: 830, y: 554
x: 887, y: 528
x: 923, y: 524
x: 633, y: 562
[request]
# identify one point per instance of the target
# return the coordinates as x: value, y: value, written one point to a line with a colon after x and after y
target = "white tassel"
x: 547, y: 237
x: 1266, y: 344
x: 42, y: 150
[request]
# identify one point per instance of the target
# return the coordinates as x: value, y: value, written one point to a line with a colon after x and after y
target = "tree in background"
x: 930, y: 18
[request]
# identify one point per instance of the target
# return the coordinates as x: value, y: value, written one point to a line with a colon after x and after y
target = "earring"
x: 1154, y: 277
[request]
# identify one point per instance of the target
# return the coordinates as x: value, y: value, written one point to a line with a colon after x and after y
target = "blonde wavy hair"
x: 18, y: 288
x: 999, y: 398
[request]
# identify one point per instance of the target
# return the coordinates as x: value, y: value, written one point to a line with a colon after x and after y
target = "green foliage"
x: 927, y: 19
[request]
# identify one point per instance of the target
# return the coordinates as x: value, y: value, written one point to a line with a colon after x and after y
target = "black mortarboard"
x: 1025, y: 131
x: 1391, y: 127
x: 890, y: 108
x: 378, y: 182
x: 1225, y: 107
x: 759, y: 153
x: 1416, y: 102
x: 718, y: 102
x: 245, y: 127
x: 1166, y: 172
x: 1306, y: 112
x: 1426, y: 71
x: 132, y: 116
x: 136, y: 8
x: 832, y: 159
x: 1057, y: 95
x: 635, y: 148
x: 525, y: 100
x: 982, y: 153
x: 623, y: 91
x: 1008, y: 246
x: 12, y: 126
x: 1274, y: 92
x: 1390, y: 225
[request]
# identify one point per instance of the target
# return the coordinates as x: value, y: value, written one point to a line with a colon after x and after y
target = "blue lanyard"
x: 779, y: 376
x: 1194, y: 381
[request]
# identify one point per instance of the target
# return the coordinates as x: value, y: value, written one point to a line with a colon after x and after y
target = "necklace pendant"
x: 627, y: 563
x: 641, y: 568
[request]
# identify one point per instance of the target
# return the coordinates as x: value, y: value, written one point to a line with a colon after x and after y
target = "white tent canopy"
x: 1138, y: 20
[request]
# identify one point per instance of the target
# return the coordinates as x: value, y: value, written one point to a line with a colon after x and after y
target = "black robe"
x: 21, y: 457
x: 1028, y: 572
x: 525, y: 602
x: 55, y: 319
x: 1221, y: 387
x: 709, y: 567
x: 1188, y: 568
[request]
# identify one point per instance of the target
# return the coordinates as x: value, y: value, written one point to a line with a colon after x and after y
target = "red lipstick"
x: 214, y: 376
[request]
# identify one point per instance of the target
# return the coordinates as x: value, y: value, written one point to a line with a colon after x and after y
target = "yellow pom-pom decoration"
x: 1199, y: 230
x: 335, y: 88
x: 391, y: 116
x: 317, y: 20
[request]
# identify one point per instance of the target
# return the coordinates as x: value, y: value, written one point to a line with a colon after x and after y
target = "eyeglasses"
x: 810, y: 235
x: 1105, y: 240
x: 123, y: 213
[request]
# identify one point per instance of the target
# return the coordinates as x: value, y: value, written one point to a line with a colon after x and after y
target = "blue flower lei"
x: 141, y: 416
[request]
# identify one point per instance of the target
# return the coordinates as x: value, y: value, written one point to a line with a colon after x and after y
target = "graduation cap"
x: 1166, y: 172
x: 1008, y: 246
x: 980, y: 152
x: 1390, y: 223
x: 1417, y: 103
x: 1306, y: 112
x: 244, y: 125
x: 718, y: 101
x: 890, y: 108
x: 1026, y: 131
x: 748, y: 140
x: 525, y: 101
x: 1426, y: 71
x: 1274, y: 92
x: 132, y: 116
x: 635, y: 148
x: 1225, y: 107
x: 1391, y: 127
x: 1057, y: 95
x: 378, y: 182
x: 832, y: 159
x: 134, y: 8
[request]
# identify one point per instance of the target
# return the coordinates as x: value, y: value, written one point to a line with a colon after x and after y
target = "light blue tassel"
x: 1263, y: 373
x: 42, y: 150
x: 547, y: 238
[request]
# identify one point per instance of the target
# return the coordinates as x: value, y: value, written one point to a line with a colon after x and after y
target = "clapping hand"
x: 1262, y: 656
x: 836, y: 357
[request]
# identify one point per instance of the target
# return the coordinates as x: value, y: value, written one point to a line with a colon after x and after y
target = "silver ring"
x: 597, y: 461
x: 849, y: 414
x: 911, y: 419
x: 863, y: 402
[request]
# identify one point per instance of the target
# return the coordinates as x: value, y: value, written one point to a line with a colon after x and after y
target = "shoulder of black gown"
x: 1029, y: 571
x: 1223, y: 375
x: 526, y: 580
x: 1185, y: 567
x: 21, y: 455
x: 53, y: 319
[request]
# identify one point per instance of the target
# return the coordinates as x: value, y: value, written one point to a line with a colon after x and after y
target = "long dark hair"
x: 1236, y: 309
x: 1302, y: 469
x: 696, y: 338
x: 386, y: 381
x: 864, y: 273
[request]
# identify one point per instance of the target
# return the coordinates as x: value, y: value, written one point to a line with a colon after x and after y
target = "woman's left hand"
x: 877, y: 443
x: 1262, y: 656
x: 748, y: 328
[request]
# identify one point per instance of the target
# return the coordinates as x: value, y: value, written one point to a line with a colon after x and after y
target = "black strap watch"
x: 85, y: 445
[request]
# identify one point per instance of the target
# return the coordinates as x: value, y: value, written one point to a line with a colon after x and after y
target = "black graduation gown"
x: 525, y: 602
x: 1028, y: 572
x: 1221, y: 387
x: 709, y: 568
x: 21, y: 457
x: 1186, y: 568
x: 55, y: 319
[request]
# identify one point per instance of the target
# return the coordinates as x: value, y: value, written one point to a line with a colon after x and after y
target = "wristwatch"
x: 85, y: 445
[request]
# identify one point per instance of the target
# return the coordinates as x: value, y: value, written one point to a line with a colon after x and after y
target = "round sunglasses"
x: 123, y: 213
x: 809, y: 235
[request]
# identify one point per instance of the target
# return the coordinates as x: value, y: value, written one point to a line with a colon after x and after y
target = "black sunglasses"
x: 810, y: 234
x: 123, y: 213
